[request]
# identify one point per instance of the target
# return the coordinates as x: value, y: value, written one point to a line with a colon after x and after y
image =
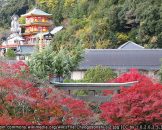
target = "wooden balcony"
x: 37, y: 23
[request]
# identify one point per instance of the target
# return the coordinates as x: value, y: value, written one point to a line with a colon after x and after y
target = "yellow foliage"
x: 153, y: 40
x: 41, y: 1
x: 79, y: 32
x: 104, y: 44
x: 122, y: 37
x: 53, y: 3
x: 22, y: 20
x: 69, y: 3
x: 49, y: 3
x: 88, y: 45
x: 83, y: 32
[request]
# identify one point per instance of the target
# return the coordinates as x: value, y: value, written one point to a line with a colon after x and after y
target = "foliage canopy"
x: 48, y: 61
x: 138, y: 105
x: 97, y: 23
x: 99, y: 74
x: 107, y: 23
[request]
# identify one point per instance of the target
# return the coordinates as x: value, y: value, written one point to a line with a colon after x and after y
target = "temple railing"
x: 93, y: 90
x: 15, y: 45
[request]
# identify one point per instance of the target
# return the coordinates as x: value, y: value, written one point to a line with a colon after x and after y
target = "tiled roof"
x: 130, y: 45
x: 147, y: 59
x: 25, y: 50
x: 36, y: 12
x: 56, y: 29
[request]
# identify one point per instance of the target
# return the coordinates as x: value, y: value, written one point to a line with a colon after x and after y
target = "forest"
x: 96, y: 23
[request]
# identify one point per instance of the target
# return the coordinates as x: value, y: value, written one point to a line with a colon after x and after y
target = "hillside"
x: 10, y: 7
x: 99, y: 23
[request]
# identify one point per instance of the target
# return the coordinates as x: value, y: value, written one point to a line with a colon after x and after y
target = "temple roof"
x: 145, y: 59
x: 36, y: 12
x: 56, y: 29
x: 25, y: 50
x: 130, y: 45
x: 16, y: 38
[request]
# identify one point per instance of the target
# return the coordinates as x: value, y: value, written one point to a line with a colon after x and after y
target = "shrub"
x: 10, y: 54
x: 99, y: 74
x: 122, y: 37
x: 22, y: 20
x: 103, y: 44
x: 138, y: 105
x: 23, y: 102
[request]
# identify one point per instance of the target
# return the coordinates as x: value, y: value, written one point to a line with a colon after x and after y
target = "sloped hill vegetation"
x: 10, y: 7
x: 97, y: 23
x: 107, y: 23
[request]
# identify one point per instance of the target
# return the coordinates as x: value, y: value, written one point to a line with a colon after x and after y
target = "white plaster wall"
x: 151, y: 73
x: 17, y: 58
x: 26, y: 58
x: 77, y: 75
x: 154, y: 75
x: 23, y: 57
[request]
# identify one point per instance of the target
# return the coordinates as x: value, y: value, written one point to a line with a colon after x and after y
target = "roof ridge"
x: 122, y: 49
x: 130, y: 42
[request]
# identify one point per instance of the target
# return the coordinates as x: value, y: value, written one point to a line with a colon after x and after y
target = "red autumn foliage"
x: 140, y: 104
x: 22, y: 102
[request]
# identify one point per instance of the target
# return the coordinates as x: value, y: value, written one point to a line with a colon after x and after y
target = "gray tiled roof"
x: 147, y: 59
x: 130, y: 45
x: 25, y: 50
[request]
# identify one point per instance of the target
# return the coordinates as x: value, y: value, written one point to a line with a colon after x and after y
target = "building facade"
x: 121, y: 60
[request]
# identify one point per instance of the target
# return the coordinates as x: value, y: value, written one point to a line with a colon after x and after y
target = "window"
x: 40, y: 29
x: 35, y: 19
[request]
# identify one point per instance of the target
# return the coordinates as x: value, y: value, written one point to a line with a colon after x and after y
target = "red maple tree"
x: 23, y: 102
x: 140, y: 104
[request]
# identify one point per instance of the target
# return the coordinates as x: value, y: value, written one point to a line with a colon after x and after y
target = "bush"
x: 122, y: 38
x: 22, y: 20
x: 27, y: 103
x: 99, y: 74
x: 138, y: 105
x: 10, y: 54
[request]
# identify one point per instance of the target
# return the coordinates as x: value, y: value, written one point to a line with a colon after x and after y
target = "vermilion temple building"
x: 37, y: 22
x: 37, y: 30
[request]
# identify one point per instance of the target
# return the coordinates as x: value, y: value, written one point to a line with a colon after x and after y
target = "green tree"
x: 99, y: 74
x: 49, y: 62
x: 10, y: 54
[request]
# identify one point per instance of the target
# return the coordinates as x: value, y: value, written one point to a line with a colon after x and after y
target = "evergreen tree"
x: 10, y: 54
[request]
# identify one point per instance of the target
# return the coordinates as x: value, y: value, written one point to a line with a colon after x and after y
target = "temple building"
x: 38, y: 30
x: 127, y: 56
x: 38, y: 23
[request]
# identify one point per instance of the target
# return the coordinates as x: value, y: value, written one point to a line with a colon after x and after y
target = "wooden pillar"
x: 69, y: 92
